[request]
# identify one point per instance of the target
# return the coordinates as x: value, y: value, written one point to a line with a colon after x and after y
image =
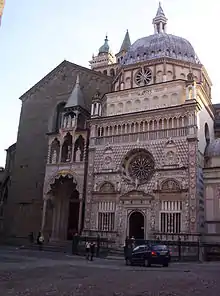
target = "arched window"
x: 67, y: 148
x: 56, y: 118
x: 112, y: 72
x: 81, y: 121
x: 59, y: 111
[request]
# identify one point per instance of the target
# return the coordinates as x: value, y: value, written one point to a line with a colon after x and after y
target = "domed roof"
x: 160, y: 45
x: 213, y: 149
x: 105, y: 47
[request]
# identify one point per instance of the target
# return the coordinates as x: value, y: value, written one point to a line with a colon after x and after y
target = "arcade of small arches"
x: 65, y: 150
x: 142, y: 126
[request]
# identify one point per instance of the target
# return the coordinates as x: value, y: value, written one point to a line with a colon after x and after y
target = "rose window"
x: 138, y: 167
x: 143, y: 77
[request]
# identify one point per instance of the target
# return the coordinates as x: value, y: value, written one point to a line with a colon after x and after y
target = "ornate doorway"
x: 66, y: 208
x: 136, y: 225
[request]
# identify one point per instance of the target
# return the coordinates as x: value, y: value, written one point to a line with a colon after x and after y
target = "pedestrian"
x: 31, y: 237
x: 126, y: 248
x: 75, y: 244
x: 87, y: 250
x: 40, y: 240
x: 92, y: 251
x: 98, y: 246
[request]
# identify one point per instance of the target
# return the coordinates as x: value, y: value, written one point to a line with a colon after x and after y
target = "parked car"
x: 150, y: 254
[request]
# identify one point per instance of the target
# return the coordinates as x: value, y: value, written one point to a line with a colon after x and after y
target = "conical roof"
x: 76, y: 98
x: 126, y: 42
x: 160, y: 11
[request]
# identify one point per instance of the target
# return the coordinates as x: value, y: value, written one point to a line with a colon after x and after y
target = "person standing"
x: 75, y: 244
x: 98, y: 246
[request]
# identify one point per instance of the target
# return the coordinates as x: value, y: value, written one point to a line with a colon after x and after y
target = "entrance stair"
x: 61, y: 246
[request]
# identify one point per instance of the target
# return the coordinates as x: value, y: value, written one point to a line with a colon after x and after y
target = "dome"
x: 213, y: 149
x: 160, y: 45
x: 105, y: 47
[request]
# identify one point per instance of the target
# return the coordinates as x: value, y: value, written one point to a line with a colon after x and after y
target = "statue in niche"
x: 95, y: 187
x: 170, y: 157
x: 68, y: 153
x: 65, y: 122
x: 54, y: 157
x: 156, y: 185
x: 69, y: 121
x: 78, y: 155
x: 136, y: 184
x: 119, y: 186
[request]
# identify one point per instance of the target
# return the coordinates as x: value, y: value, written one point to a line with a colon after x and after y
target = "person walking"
x: 87, y: 250
x: 92, y: 251
x: 40, y: 240
x: 31, y: 238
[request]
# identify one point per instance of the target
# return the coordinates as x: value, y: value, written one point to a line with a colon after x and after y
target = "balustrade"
x: 141, y: 136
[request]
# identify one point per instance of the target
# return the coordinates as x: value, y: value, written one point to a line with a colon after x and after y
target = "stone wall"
x: 38, y: 105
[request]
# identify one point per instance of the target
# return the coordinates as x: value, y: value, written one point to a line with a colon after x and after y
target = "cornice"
x: 152, y: 62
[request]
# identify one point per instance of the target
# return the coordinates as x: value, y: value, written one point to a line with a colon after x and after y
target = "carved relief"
x: 170, y: 185
x: 107, y: 187
x: 170, y: 156
x: 108, y: 159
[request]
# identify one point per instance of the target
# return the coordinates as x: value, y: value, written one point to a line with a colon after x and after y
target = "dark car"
x: 150, y: 254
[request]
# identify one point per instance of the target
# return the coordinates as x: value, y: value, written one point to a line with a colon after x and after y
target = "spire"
x: 126, y: 42
x: 160, y: 11
x: 160, y: 21
x: 105, y: 47
x: 76, y: 98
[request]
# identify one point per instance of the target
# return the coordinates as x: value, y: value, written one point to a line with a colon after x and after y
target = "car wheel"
x: 166, y: 264
x: 147, y: 263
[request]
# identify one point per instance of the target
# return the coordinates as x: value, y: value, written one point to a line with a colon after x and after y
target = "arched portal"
x: 136, y: 225
x: 66, y: 208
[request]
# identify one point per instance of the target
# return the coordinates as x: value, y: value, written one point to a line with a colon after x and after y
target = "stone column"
x: 44, y: 215
x: 80, y: 213
x: 161, y: 27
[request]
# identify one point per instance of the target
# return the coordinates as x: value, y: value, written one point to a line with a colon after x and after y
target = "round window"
x: 143, y: 77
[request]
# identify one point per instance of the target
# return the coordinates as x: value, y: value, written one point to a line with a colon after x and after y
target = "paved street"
x: 25, y: 272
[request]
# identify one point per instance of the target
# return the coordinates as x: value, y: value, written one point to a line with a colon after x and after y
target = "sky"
x: 36, y: 36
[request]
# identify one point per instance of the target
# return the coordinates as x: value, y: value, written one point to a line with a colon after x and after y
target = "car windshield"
x: 140, y: 248
x: 160, y: 248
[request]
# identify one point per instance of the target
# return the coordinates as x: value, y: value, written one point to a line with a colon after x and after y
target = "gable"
x: 62, y: 71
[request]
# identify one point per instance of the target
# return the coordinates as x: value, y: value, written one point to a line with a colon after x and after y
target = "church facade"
x: 129, y: 150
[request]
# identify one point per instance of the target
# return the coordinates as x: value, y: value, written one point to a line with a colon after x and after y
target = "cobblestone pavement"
x: 40, y: 273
